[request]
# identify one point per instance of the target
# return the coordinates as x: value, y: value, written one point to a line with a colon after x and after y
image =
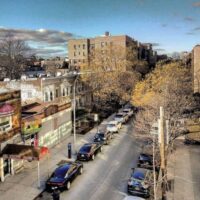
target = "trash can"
x: 69, y: 150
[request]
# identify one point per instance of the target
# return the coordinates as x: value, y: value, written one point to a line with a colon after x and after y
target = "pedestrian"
x: 56, y: 194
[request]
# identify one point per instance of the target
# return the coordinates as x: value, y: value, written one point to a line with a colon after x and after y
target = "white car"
x: 113, y: 126
x: 121, y: 117
x: 133, y: 198
x: 128, y: 111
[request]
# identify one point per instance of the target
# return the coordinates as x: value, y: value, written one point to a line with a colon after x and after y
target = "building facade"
x: 10, y: 128
x: 81, y: 51
x: 196, y: 68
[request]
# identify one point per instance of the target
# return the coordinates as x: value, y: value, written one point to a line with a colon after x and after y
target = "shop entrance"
x: 6, y: 167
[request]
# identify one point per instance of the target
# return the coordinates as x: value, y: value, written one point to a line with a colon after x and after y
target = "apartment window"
x: 74, y: 46
x: 63, y: 92
x: 83, y: 53
x: 79, y: 53
x: 83, y: 46
x: 79, y: 46
x: 46, y: 96
x: 74, y: 53
x: 30, y: 95
x: 51, y: 96
x: 102, y: 44
x: 92, y: 46
x: 56, y: 92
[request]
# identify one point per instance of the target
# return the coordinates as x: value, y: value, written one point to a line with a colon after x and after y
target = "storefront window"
x: 5, y: 124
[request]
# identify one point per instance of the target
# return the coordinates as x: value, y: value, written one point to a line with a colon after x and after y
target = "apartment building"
x: 81, y: 51
x: 196, y: 68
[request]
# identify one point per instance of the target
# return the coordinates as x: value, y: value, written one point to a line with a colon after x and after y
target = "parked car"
x: 133, y: 198
x: 114, y: 126
x: 103, y: 137
x: 146, y: 161
x: 121, y: 117
x: 139, y: 182
x: 128, y: 111
x: 62, y: 177
x: 88, y: 151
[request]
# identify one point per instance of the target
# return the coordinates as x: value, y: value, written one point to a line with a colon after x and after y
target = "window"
x: 57, y: 92
x: 83, y: 46
x: 29, y: 94
x: 51, y: 96
x: 63, y: 92
x: 102, y: 44
x: 74, y: 46
x: 83, y: 53
x: 79, y: 53
x: 74, y: 53
x: 5, y: 124
x: 79, y: 46
x: 46, y: 96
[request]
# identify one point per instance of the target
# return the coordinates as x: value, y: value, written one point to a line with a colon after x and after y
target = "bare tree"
x: 113, y: 74
x: 13, y: 53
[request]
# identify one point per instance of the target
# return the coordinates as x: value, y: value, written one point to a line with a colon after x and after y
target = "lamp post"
x: 74, y: 111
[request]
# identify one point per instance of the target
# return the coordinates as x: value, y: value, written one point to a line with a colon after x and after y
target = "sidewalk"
x: 183, y: 171
x: 23, y: 186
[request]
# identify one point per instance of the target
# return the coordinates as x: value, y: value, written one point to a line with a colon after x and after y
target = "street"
x: 106, y: 177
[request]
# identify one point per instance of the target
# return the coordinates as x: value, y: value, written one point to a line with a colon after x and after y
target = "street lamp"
x: 74, y: 111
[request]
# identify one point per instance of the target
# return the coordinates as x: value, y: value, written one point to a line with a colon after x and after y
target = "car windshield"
x: 125, y: 111
x: 85, y: 149
x: 100, y: 135
x: 118, y: 115
x: 111, y: 125
x: 138, y: 175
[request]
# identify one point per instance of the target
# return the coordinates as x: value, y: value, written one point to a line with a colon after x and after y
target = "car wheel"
x: 68, y: 185
x: 93, y: 156
x: 80, y: 170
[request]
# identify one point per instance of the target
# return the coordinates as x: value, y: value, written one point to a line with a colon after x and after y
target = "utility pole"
x: 162, y: 150
x: 154, y: 169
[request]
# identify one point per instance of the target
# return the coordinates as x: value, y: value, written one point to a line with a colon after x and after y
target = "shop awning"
x: 24, y: 152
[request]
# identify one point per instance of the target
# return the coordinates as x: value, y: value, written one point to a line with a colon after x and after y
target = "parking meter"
x: 69, y: 150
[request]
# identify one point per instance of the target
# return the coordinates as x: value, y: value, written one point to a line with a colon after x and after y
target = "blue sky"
x: 173, y: 25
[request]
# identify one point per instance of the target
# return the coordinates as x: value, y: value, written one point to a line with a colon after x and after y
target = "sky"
x: 47, y: 25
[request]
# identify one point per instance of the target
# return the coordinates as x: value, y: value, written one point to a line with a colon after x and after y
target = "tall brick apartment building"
x: 80, y: 50
x: 196, y: 68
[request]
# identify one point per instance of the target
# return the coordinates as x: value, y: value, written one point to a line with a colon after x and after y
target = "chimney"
x: 107, y: 33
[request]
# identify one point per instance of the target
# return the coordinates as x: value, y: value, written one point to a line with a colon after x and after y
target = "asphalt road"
x: 106, y: 177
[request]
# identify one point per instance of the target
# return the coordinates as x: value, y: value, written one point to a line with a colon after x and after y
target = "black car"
x: 62, y: 177
x: 88, y: 151
x: 103, y: 137
x: 146, y: 161
x: 139, y: 182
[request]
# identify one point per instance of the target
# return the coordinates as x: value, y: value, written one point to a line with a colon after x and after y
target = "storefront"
x: 13, y: 152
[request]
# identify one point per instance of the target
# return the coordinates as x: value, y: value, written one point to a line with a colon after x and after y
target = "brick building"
x: 81, y: 51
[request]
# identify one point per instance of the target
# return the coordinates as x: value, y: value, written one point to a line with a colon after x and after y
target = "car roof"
x: 139, y: 172
x: 120, y: 113
x: 112, y: 122
x: 88, y: 144
x: 64, y: 167
x: 133, y: 198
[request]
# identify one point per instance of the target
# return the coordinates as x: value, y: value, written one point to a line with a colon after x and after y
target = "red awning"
x: 6, y: 109
x: 24, y: 152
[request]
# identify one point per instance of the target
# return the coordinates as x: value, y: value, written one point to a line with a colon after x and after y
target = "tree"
x: 112, y: 76
x: 170, y: 86
x: 12, y: 53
